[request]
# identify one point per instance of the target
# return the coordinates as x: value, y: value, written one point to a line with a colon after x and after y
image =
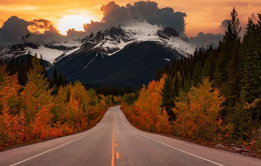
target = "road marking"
x: 117, y: 155
x: 112, y: 144
x: 213, y: 162
x: 116, y: 144
x: 60, y: 145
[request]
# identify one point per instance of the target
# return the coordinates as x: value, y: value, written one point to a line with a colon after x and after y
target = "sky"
x: 200, y: 19
x: 202, y: 15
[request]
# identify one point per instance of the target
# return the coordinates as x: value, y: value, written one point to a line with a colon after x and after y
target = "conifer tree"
x: 55, y: 78
x: 252, y: 70
x: 36, y: 92
x: 227, y: 48
x: 22, y: 73
x: 168, y: 97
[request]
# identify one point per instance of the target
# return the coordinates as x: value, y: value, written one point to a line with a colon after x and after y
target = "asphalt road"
x: 114, y: 141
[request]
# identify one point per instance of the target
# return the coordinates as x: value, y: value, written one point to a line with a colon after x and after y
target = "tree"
x: 198, y: 113
x: 252, y: 70
x: 55, y: 78
x: 168, y: 97
x: 22, y: 72
x: 229, y: 68
x: 36, y: 92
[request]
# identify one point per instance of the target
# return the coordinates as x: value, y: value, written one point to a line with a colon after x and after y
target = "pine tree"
x: 55, y: 78
x: 252, y: 70
x: 36, y: 92
x: 60, y: 80
x: 227, y: 46
x: 168, y: 97
x: 22, y: 72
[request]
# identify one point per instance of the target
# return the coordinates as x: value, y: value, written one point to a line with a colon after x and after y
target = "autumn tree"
x: 36, y: 92
x: 148, y: 113
x: 12, y: 120
x: 198, y: 113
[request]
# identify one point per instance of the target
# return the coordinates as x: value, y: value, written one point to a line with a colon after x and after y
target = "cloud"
x: 46, y: 37
x: 143, y: 9
x: 40, y: 30
x: 43, y: 31
x: 224, y: 24
x: 206, y: 39
x: 114, y: 14
x: 13, y: 30
x: 73, y: 34
x: 40, y: 26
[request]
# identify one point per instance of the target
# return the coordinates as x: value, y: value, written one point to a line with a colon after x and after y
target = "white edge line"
x: 59, y: 145
x: 172, y: 146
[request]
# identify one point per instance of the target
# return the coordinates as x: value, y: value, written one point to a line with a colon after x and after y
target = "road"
x: 114, y: 141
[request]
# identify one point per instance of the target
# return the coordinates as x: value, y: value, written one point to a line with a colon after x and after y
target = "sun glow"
x: 73, y: 22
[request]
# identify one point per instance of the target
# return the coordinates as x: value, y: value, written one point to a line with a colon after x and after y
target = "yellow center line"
x: 117, y: 155
x: 112, y: 145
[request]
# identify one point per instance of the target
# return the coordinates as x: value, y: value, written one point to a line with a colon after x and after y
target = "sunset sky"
x: 202, y: 16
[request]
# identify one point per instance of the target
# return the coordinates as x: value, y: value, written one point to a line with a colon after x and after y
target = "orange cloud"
x: 41, y: 26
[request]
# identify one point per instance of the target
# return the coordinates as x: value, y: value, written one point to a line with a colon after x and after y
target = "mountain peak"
x: 112, y: 40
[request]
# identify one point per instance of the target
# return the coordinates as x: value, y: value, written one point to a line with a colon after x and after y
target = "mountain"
x: 50, y: 52
x: 115, y: 39
x: 129, y: 54
x: 125, y: 55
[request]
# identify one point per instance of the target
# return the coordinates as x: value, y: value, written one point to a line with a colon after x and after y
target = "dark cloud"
x: 73, y: 34
x: 113, y: 15
x: 224, y: 24
x: 166, y: 17
x: 142, y: 9
x: 13, y: 30
x: 46, y: 37
x: 206, y: 39
x: 95, y: 26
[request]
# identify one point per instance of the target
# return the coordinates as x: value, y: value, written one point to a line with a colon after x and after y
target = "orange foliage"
x: 198, y: 113
x: 40, y: 126
x: 36, y: 114
x: 146, y: 112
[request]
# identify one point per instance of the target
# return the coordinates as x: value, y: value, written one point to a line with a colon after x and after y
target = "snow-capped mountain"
x: 115, y: 39
x: 129, y: 54
x: 50, y: 52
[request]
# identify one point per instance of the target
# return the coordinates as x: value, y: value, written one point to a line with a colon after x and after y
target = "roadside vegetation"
x: 213, y: 97
x: 34, y: 108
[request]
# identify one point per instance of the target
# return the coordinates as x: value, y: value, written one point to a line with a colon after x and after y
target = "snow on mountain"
x: 129, y: 54
x: 50, y: 52
x: 115, y: 39
x: 107, y: 42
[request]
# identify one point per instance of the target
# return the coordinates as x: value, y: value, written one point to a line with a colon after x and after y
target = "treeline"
x: 31, y: 111
x: 213, y: 96
x: 115, y: 91
x: 22, y: 65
